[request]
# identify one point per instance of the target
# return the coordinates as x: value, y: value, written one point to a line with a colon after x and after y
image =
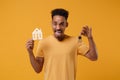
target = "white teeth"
x: 59, y: 31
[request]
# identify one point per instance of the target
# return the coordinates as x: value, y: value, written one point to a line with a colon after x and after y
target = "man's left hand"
x: 86, y: 31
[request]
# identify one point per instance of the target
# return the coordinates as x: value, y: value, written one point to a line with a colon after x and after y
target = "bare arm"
x: 36, y: 62
x: 92, y: 52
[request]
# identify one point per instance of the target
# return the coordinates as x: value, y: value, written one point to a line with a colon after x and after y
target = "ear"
x: 67, y: 24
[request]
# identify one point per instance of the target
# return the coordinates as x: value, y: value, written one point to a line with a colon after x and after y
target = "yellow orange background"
x: 18, y: 18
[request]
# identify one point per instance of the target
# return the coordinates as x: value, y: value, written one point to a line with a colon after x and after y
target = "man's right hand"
x: 30, y: 45
x: 36, y: 62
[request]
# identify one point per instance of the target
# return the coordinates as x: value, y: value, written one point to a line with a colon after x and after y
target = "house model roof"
x: 36, y: 30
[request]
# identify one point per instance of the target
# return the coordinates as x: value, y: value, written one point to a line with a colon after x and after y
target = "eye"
x: 54, y: 23
x: 62, y: 24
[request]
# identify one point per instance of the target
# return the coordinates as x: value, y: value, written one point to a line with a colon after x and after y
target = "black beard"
x: 60, y: 38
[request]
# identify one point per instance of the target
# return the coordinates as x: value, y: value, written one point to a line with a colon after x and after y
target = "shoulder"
x: 74, y: 38
x: 45, y: 40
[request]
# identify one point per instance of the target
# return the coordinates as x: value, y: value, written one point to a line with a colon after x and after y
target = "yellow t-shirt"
x: 60, y: 57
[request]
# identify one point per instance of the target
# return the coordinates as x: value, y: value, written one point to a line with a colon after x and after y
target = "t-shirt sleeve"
x: 82, y: 48
x: 39, y: 51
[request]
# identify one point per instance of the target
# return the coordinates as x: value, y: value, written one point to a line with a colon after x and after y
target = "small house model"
x: 37, y: 34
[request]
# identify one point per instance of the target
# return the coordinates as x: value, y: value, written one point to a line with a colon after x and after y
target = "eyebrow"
x: 60, y: 22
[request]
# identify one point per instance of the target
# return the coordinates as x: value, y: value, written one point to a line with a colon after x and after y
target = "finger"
x: 31, y: 40
x: 84, y: 30
x: 85, y: 26
x: 83, y: 33
x: 29, y: 44
x: 90, y: 30
x: 29, y: 47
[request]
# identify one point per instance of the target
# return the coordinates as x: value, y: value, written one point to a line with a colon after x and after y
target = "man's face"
x: 59, y: 25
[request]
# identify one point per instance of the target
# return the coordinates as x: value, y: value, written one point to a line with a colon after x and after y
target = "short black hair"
x: 61, y: 12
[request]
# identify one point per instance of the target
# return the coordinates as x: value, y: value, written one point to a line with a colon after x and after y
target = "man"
x: 59, y: 51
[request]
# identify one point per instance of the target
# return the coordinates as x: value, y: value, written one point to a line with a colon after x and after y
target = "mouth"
x: 58, y: 32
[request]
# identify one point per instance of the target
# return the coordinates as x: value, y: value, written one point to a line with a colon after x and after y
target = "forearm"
x: 92, y: 53
x: 37, y: 67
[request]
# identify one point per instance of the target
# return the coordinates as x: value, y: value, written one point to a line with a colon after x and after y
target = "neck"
x: 61, y: 38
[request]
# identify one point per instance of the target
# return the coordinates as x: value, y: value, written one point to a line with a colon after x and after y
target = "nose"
x: 58, y: 27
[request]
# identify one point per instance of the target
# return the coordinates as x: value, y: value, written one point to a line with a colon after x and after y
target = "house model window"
x: 37, y: 34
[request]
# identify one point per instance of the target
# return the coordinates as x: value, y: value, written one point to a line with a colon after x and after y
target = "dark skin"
x: 59, y: 24
x: 36, y: 62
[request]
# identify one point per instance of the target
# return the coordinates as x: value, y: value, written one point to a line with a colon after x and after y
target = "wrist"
x: 30, y: 52
x: 90, y: 37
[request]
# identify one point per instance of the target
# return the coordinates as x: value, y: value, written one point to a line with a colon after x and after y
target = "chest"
x: 58, y: 49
